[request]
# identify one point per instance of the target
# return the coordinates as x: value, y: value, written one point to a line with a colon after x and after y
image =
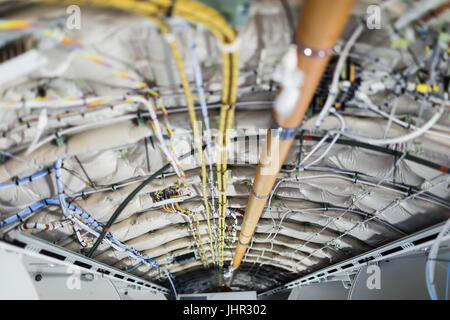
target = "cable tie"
x: 314, y: 53
x: 282, y: 132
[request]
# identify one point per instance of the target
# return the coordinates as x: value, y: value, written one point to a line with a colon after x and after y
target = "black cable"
x: 301, y: 138
x: 169, y: 11
x: 355, y: 143
x: 146, y: 153
x: 290, y: 19
x: 395, y: 163
x: 130, y: 197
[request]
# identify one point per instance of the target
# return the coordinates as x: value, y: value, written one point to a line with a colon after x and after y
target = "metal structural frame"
x: 29, y: 244
x: 413, y: 242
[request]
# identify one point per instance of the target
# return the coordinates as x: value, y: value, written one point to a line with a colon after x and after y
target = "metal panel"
x: 409, y: 243
x: 35, y: 246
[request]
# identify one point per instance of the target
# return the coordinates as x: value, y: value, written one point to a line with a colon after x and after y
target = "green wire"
x: 130, y: 197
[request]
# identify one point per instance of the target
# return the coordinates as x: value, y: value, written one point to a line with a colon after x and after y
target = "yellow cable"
x: 202, y: 248
x: 192, y: 11
x: 229, y: 96
x: 197, y: 135
x: 195, y: 12
x: 196, y: 232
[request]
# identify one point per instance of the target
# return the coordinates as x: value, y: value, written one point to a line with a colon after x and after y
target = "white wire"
x: 81, y: 127
x: 208, y: 139
x: 368, y: 103
x: 336, y: 137
x: 378, y: 213
x: 401, y: 139
x: 334, y: 85
x: 41, y: 125
x: 431, y: 262
x: 391, y: 117
x: 159, y: 135
x: 316, y: 147
x: 10, y: 155
x: 55, y: 103
x: 416, y: 12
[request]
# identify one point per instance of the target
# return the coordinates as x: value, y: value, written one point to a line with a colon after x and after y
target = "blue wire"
x: 448, y: 280
x: 431, y: 292
x: 173, y: 286
x: 135, y: 267
x: 34, y: 176
x: 54, y: 201
x: 169, y: 275
x: 34, y: 207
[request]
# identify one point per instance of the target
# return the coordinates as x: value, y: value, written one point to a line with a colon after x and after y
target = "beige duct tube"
x: 320, y: 25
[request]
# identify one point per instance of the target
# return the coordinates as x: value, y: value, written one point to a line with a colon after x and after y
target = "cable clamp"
x: 169, y: 37
x: 313, y: 53
x: 243, y: 244
x: 20, y: 218
x: 284, y: 133
x: 230, y: 47
x: 259, y: 196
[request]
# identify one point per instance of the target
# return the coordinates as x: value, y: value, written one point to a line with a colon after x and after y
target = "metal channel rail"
x: 416, y: 241
x: 32, y: 245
